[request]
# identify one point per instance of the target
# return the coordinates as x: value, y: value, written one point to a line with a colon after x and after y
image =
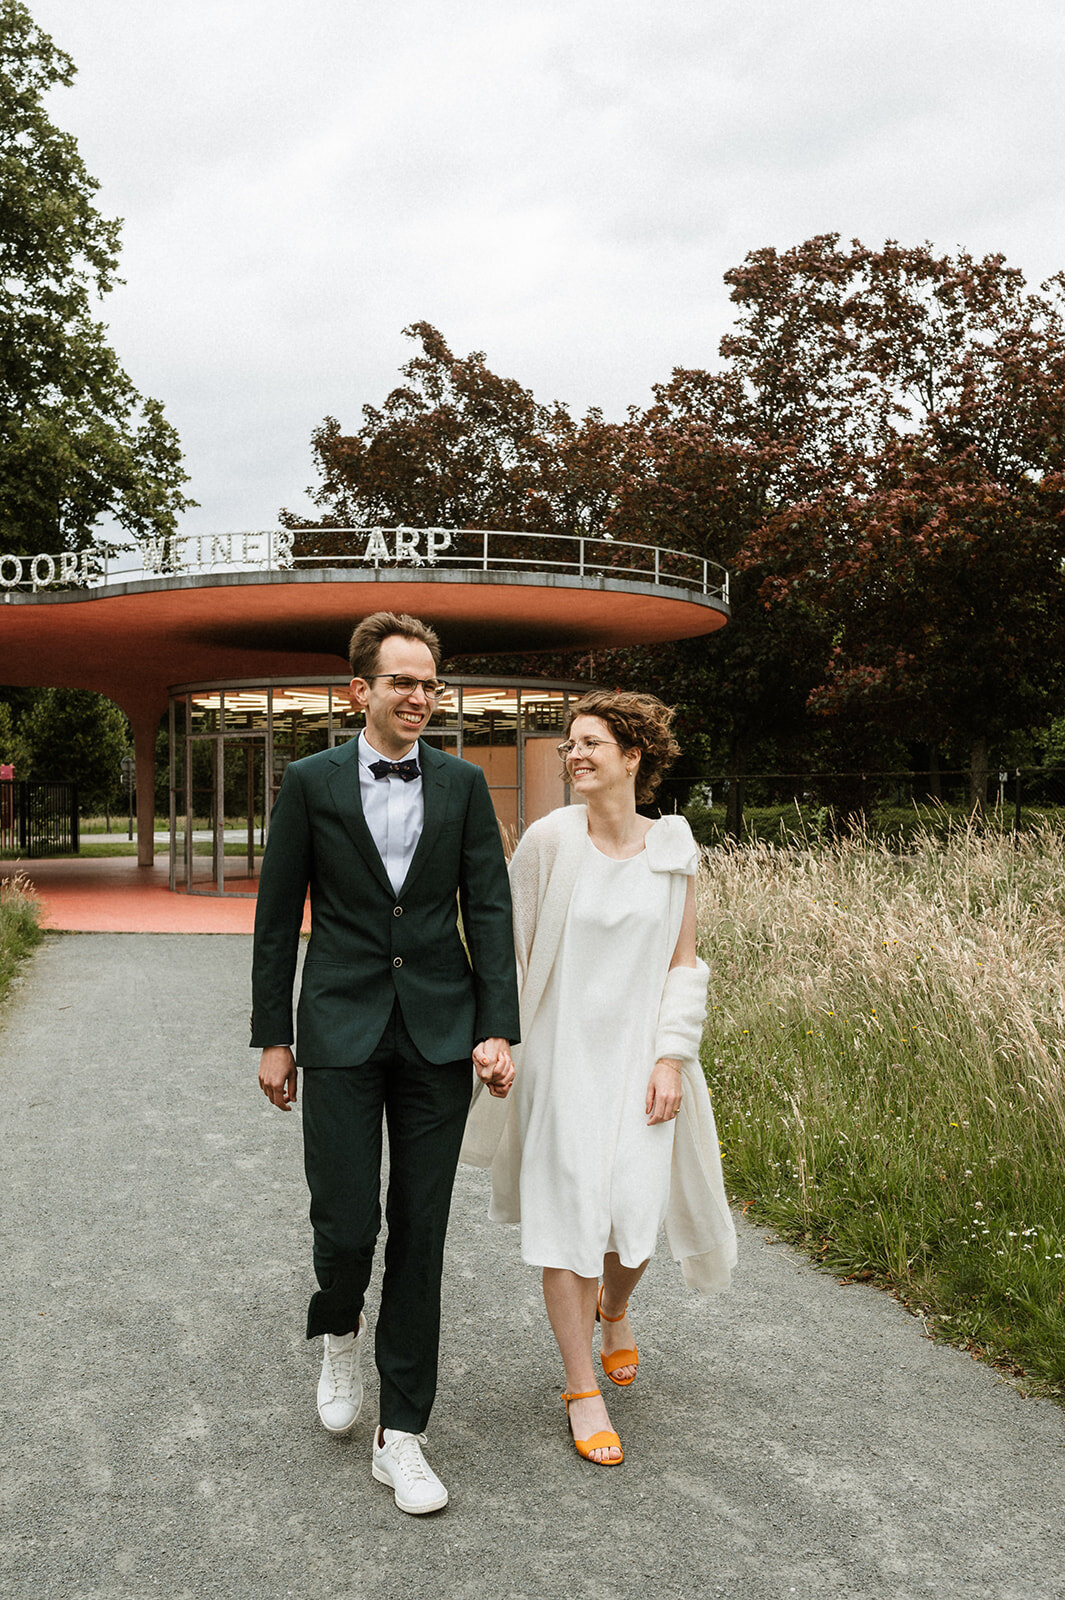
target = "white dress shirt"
x: 394, y: 811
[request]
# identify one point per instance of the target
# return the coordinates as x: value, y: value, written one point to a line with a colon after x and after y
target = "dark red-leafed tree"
x: 937, y: 557
x: 722, y: 453
x: 458, y: 446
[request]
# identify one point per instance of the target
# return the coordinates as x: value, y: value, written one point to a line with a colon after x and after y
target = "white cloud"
x: 559, y: 184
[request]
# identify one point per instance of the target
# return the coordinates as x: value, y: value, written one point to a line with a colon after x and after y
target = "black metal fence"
x: 895, y: 801
x: 38, y: 819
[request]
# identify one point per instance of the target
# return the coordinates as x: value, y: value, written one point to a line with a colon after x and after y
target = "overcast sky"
x: 560, y: 183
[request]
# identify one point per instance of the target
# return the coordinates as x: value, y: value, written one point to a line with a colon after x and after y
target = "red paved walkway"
x: 114, y: 895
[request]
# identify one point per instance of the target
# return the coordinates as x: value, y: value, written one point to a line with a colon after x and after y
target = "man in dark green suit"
x: 392, y: 836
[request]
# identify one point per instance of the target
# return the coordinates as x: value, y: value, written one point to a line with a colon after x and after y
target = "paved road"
x: 159, y: 1433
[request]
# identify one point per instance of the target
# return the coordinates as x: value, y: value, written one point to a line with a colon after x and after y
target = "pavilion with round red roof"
x: 243, y: 646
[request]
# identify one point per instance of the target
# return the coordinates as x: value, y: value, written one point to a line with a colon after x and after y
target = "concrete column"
x: 144, y: 716
x: 144, y: 731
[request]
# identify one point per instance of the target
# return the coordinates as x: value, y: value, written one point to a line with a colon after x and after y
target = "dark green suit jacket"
x: 370, y: 946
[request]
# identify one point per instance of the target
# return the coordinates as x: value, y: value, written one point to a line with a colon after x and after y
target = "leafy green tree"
x: 75, y: 736
x: 14, y: 703
x: 77, y: 441
x: 10, y: 746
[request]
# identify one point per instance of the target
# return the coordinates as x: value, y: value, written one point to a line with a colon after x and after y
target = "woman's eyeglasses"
x: 581, y: 747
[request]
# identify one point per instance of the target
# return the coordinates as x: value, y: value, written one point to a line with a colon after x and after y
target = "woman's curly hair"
x: 638, y: 722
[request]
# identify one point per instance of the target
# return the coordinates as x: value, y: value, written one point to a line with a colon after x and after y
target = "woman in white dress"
x: 609, y: 1131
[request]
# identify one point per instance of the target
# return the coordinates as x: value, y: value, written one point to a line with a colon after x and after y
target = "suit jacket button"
x: 397, y: 961
x: 397, y: 911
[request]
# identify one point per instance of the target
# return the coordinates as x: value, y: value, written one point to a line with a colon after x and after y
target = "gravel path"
x: 791, y: 1438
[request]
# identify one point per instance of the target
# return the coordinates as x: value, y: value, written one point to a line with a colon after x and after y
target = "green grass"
x: 119, y: 822
x: 98, y: 850
x: 886, y: 1052
x: 19, y: 927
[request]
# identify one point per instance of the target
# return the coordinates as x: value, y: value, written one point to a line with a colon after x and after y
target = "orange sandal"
x: 598, y: 1441
x: 616, y: 1358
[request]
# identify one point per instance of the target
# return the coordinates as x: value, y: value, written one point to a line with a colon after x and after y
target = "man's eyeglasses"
x: 581, y: 747
x: 402, y: 684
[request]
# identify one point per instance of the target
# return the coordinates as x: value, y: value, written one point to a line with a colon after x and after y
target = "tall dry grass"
x: 19, y: 925
x: 887, y: 1055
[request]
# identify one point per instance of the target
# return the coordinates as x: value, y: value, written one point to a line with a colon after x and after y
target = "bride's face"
x: 597, y: 765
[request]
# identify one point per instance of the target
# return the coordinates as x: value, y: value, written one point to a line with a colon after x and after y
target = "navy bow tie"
x: 404, y: 769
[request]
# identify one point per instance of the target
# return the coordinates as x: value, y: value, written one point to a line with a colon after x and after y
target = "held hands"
x: 663, y: 1091
x: 277, y: 1076
x: 493, y: 1065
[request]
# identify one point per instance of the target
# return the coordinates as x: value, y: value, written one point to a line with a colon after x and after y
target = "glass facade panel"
x: 489, y: 716
x: 490, y: 740
x: 543, y: 711
x: 505, y: 802
x: 446, y: 717
x: 301, y: 720
x: 232, y: 743
x: 244, y: 825
x: 544, y: 788
x: 205, y: 712
x: 245, y: 711
x: 346, y: 722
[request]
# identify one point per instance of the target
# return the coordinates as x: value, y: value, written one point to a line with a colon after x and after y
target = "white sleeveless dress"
x: 594, y: 1177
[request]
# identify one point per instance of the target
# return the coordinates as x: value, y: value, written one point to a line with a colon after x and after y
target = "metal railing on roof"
x: 502, y: 550
x: 582, y: 556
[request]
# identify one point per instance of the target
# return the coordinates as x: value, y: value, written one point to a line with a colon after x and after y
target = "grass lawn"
x: 91, y: 850
x: 886, y: 1052
x: 118, y: 823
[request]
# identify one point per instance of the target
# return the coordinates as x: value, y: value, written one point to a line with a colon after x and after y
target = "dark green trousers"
x: 425, y: 1106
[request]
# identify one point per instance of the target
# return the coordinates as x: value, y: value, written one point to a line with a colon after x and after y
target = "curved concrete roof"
x: 131, y: 641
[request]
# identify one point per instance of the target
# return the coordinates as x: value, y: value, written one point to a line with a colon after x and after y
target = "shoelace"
x: 408, y: 1456
x: 342, y: 1380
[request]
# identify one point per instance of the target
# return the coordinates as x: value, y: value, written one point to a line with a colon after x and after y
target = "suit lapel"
x: 434, y: 797
x: 343, y: 781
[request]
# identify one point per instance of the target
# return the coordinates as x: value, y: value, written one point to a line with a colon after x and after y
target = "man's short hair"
x: 364, y: 651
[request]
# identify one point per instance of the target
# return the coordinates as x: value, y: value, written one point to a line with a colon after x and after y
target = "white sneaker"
x: 340, y: 1386
x: 400, y: 1463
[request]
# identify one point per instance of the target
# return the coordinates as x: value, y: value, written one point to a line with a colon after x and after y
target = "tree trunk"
x: 978, y: 777
x: 935, y: 781
x: 737, y: 767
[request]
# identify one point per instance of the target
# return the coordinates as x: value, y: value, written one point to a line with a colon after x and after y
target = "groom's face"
x: 394, y: 721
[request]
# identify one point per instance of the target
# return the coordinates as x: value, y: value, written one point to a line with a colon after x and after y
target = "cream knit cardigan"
x: 543, y: 872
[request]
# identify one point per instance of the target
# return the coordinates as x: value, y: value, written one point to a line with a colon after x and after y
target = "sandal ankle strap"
x: 602, y: 1314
